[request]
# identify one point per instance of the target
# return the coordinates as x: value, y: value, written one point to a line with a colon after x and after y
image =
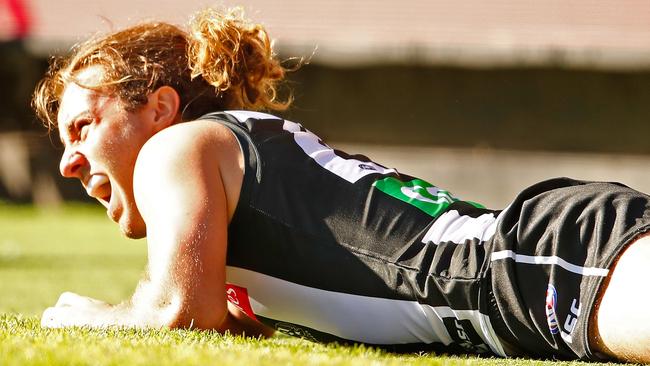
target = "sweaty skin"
x: 176, y: 183
x: 620, y: 322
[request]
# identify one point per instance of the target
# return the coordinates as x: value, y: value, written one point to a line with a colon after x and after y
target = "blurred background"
x: 480, y: 97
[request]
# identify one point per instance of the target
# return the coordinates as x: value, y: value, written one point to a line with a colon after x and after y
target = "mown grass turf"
x: 76, y: 248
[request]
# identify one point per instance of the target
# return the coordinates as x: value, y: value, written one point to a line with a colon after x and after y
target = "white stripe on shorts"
x: 552, y: 259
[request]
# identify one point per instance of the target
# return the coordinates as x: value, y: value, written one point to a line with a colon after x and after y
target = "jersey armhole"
x: 252, y: 169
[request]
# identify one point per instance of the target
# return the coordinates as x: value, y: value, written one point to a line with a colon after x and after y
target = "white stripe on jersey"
x: 354, y: 317
x: 453, y: 227
x: 349, y: 169
x: 552, y: 259
x: 242, y: 116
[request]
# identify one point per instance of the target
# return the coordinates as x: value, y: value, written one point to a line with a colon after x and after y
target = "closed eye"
x: 81, y: 127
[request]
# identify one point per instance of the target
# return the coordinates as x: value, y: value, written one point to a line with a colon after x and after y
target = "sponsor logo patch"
x: 463, y: 333
x: 294, y: 331
x: 238, y: 296
x: 551, y: 307
x: 366, y: 167
x: 419, y: 193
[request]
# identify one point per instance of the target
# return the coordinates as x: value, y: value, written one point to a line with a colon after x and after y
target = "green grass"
x: 76, y: 248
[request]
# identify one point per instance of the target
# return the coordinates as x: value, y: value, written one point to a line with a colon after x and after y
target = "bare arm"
x: 182, y: 199
x: 186, y: 183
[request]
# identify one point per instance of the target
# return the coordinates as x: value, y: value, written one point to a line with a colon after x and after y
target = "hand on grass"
x: 74, y: 310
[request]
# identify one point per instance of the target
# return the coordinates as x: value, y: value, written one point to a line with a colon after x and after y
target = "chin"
x: 131, y: 223
x: 132, y: 231
x: 132, y: 234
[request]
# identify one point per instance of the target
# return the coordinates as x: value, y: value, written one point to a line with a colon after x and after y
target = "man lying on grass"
x: 254, y: 224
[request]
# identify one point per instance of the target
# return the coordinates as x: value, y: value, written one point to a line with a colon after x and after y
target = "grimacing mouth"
x: 99, y: 187
x: 105, y: 200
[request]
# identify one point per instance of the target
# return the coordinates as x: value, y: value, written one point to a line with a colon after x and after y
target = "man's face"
x: 102, y: 141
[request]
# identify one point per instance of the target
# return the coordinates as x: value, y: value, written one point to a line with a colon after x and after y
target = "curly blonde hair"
x: 223, y: 62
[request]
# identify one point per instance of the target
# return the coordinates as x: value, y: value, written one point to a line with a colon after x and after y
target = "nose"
x: 73, y: 164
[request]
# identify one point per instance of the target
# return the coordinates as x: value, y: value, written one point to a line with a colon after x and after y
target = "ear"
x: 164, y: 103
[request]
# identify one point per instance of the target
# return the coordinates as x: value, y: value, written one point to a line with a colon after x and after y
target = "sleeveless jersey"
x: 335, y: 247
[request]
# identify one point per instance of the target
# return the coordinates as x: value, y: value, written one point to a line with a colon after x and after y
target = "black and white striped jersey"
x: 335, y: 247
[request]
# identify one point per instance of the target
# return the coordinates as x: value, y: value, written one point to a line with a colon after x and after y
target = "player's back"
x: 331, y: 246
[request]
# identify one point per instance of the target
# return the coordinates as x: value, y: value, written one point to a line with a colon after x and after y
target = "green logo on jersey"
x: 420, y: 194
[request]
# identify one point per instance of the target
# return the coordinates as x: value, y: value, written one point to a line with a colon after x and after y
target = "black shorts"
x: 549, y: 256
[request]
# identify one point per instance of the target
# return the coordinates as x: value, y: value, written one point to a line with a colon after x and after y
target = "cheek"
x: 118, y: 136
x: 108, y: 146
x: 121, y: 146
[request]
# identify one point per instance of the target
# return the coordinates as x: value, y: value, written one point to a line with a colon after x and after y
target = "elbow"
x: 152, y: 307
x: 195, y: 322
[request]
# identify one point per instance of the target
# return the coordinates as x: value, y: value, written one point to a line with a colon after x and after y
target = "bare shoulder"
x: 194, y: 151
x: 189, y: 137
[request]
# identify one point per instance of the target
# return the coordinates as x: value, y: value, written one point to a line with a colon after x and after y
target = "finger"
x: 75, y: 300
x: 68, y: 299
x: 51, y: 318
